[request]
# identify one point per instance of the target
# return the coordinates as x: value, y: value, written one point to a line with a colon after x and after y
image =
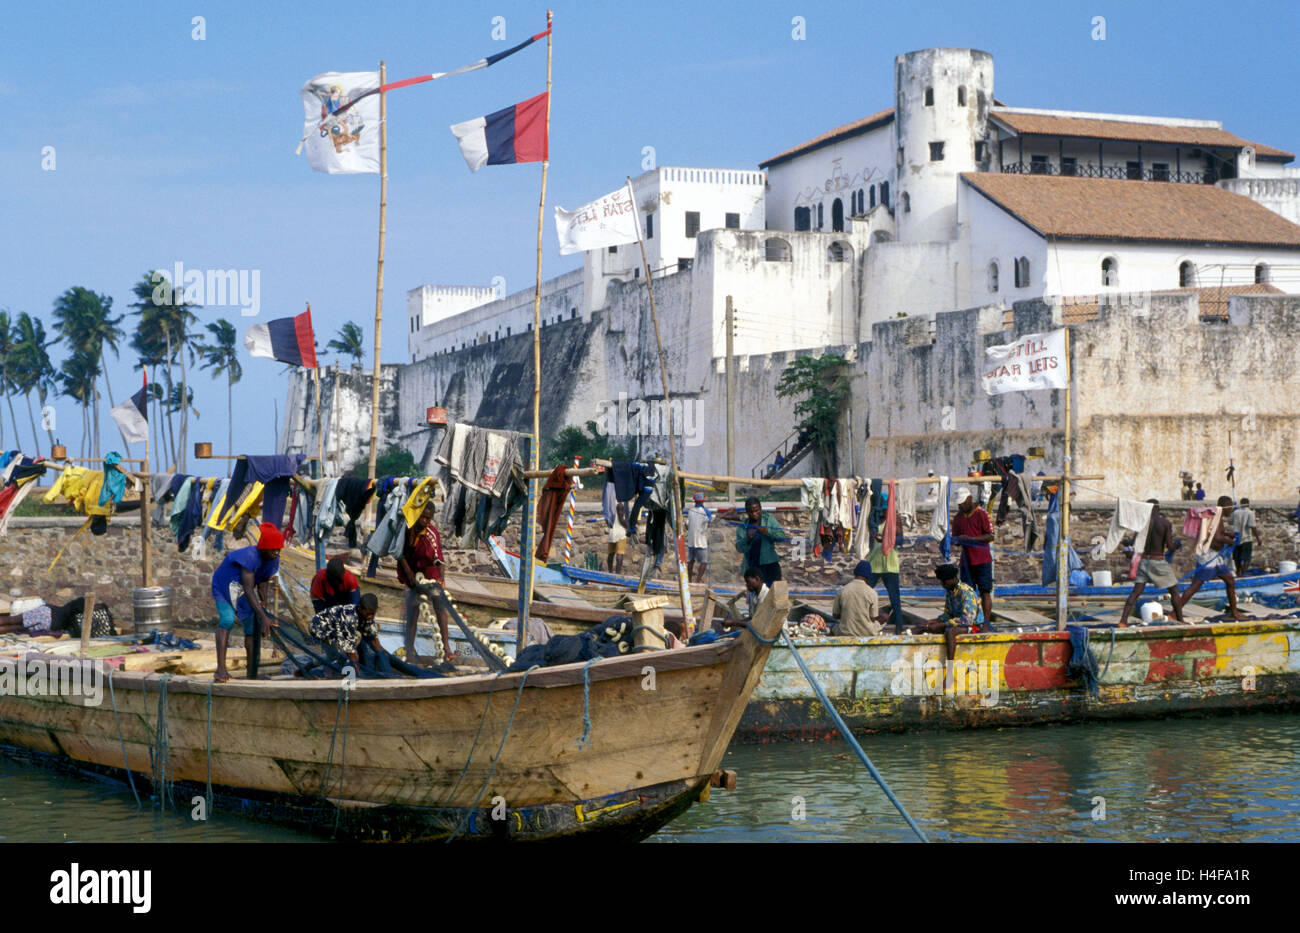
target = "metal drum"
x: 153, y: 609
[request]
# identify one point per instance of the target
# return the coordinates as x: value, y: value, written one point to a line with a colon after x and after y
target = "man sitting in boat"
x: 422, y: 558
x: 962, y: 613
x: 1217, y: 563
x: 755, y: 592
x: 239, y: 588
x: 1153, y: 568
x: 334, y: 585
x: 344, y: 627
x: 857, y: 605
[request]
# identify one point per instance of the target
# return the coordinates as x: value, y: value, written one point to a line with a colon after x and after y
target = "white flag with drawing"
x: 1034, y: 361
x: 610, y: 221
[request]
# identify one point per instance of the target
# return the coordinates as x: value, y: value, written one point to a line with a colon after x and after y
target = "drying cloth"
x: 452, y: 453
x: 274, y: 466
x: 939, y: 523
x: 609, y: 501
x: 159, y: 486
x: 414, y: 503
x: 656, y: 493
x: 889, y: 534
x: 114, y: 486
x: 1051, y: 531
x: 1130, y: 515
x: 1209, y: 528
x: 179, y: 503
x: 1195, y: 517
x: 1013, y: 492
x: 353, y: 493
x: 549, y: 507
x: 906, y: 504
x: 82, y: 488
x: 10, y: 498
x: 190, y: 518
x: 1082, y: 663
x: 389, y: 537
x: 328, y: 510
x: 209, y: 533
x: 629, y: 476
x: 274, y: 498
x: 812, y: 496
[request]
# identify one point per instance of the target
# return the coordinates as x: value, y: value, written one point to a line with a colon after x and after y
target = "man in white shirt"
x: 697, y: 539
x: 1243, y: 523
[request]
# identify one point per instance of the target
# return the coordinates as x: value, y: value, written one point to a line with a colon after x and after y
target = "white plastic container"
x: 1151, y: 611
x: 1101, y: 578
x: 1286, y: 566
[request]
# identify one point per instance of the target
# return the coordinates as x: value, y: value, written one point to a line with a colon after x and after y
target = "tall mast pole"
x: 1063, y: 540
x: 379, y: 275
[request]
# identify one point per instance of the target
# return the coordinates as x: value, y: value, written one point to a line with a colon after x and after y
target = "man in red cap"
x: 239, y: 588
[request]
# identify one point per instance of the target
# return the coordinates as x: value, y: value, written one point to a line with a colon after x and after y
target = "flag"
x: 1034, y: 361
x: 341, y: 132
x: 287, y: 339
x: 132, y: 416
x: 515, y: 134
x: 609, y: 221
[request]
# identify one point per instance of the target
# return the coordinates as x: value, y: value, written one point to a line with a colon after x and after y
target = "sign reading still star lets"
x: 1035, y: 361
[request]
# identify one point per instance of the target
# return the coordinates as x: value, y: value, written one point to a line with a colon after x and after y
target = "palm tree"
x: 77, y: 376
x: 84, y: 320
x: 6, y: 353
x: 32, y: 368
x: 165, y: 321
x: 350, y: 342
x: 222, y: 355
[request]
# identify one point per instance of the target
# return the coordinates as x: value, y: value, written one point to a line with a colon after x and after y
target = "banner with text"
x: 611, y: 221
x: 1035, y: 361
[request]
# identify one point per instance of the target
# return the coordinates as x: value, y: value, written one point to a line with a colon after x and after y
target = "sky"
x: 170, y: 148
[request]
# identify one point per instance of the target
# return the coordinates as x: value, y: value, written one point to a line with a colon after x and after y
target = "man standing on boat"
x: 1243, y: 523
x: 972, y: 529
x: 697, y: 539
x: 1153, y: 568
x: 239, y: 587
x: 1217, y: 563
x: 754, y: 540
x: 422, y: 557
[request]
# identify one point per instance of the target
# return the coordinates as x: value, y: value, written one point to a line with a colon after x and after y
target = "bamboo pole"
x: 320, y: 437
x: 1063, y: 539
x: 379, y: 273
x: 146, y: 554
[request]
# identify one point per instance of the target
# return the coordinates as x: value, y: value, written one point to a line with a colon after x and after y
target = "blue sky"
x: 170, y: 149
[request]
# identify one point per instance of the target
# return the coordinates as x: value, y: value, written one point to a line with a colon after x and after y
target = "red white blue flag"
x: 515, y: 134
x: 287, y: 339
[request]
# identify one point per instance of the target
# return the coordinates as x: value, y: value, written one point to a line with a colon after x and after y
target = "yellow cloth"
x: 216, y: 511
x: 248, y: 502
x: 417, y: 500
x: 81, y: 487
x: 57, y: 489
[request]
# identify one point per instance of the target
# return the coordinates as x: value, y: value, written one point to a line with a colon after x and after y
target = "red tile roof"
x: 879, y: 118
x: 1066, y: 207
x: 1035, y: 124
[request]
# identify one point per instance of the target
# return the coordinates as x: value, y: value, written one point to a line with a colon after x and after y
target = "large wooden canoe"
x: 424, y: 759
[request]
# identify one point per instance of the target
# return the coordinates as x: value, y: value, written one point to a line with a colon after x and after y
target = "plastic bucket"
x: 1101, y: 578
x: 152, y: 607
x: 1286, y: 566
x: 1151, y: 610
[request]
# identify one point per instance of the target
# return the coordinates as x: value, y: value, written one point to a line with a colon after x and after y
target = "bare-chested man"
x: 1218, y: 563
x: 1153, y: 568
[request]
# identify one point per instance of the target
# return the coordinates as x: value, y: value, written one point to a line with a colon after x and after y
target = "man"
x: 885, y: 566
x: 617, y: 540
x: 1153, y: 567
x: 754, y: 540
x: 1199, y: 495
x: 239, y: 587
x: 697, y: 539
x: 972, y: 529
x: 961, y: 611
x: 343, y: 627
x: 1243, y: 522
x: 857, y: 605
x: 1217, y: 563
x: 333, y: 586
x: 422, y: 557
x: 755, y: 592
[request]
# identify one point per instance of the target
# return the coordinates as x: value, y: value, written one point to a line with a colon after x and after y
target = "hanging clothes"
x: 549, y: 507
x: 389, y: 537
x: 1051, y: 531
x: 352, y: 493
x: 1209, y: 528
x: 329, y: 510
x: 905, y: 506
x: 159, y: 486
x: 940, y: 524
x: 609, y: 501
x: 413, y: 505
x: 263, y: 470
x: 812, y: 496
x: 628, y: 477
x: 114, y: 483
x: 861, y: 544
x: 1130, y: 515
x: 1015, y: 491
x: 210, y: 533
x: 889, y: 534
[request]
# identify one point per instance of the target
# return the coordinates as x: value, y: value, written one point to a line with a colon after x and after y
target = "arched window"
x: 1261, y: 274
x: 871, y: 192
x: 961, y: 95
x: 776, y: 249
x: 1022, y: 272
x: 884, y: 194
x: 839, y: 251
x: 929, y: 97
x: 1109, y: 272
x: 837, y: 216
x: 862, y: 201
x: 821, y: 217
x: 803, y: 218
x: 907, y: 202
x: 1187, y: 275
x: 993, y: 276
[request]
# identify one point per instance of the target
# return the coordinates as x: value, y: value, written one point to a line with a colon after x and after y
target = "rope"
x: 161, y: 783
x: 1108, y: 657
x: 848, y: 736
x: 767, y: 641
x: 121, y: 741
x: 492, y: 770
x: 585, y: 739
x: 208, y: 795
x: 473, y: 745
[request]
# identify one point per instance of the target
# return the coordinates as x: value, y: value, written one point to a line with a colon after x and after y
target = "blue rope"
x: 848, y: 736
x: 759, y: 638
x: 583, y: 742
x: 120, y: 741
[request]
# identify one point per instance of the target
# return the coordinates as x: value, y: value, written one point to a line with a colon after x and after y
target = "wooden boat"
x: 477, y: 757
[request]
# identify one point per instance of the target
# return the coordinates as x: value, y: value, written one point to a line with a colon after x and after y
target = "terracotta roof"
x: 1212, y: 300
x: 879, y: 118
x: 1036, y: 124
x: 1272, y: 152
x: 1064, y: 207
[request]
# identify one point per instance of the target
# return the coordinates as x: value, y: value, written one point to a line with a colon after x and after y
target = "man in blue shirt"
x: 239, y: 588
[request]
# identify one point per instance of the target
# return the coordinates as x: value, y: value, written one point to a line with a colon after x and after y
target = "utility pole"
x: 731, y: 419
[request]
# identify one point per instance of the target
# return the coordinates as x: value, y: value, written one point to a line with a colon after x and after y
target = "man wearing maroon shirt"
x: 422, y: 556
x: 333, y: 586
x: 972, y: 529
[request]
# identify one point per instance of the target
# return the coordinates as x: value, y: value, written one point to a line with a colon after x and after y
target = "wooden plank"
x: 1021, y: 616
x: 87, y: 621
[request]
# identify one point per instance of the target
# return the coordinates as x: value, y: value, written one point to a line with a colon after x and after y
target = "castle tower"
x: 942, y: 99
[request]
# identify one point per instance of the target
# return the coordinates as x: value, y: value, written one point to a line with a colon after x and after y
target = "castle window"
x: 1069, y: 165
x: 733, y: 221
x: 839, y: 251
x: 803, y: 218
x: 900, y: 156
x: 507, y: 330
x: 649, y: 226
x: 980, y: 149
x: 884, y: 194
x: 1109, y: 272
x: 776, y: 250
x: 1159, y: 171
x: 993, y: 277
x: 936, y: 152
x: 837, y: 216
x: 929, y: 97
x: 862, y: 201
x: 1038, y: 165
x: 1187, y: 275
x: 961, y: 95
x: 1134, y: 171
x: 684, y: 264
x: 907, y: 203
x: 1022, y: 272
x: 871, y: 192
x: 1261, y: 274
x: 692, y: 223
x: 821, y: 217
x: 613, y: 249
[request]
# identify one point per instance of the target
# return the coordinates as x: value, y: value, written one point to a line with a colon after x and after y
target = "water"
x: 1234, y: 778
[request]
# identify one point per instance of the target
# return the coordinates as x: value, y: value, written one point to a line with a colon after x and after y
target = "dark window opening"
x: 929, y: 97
x: 871, y: 192
x: 961, y: 96
x: 1159, y: 171
x: 936, y: 152
x: 1038, y: 165
x: 1261, y: 274
x: 837, y: 216
x: 573, y: 313
x: 821, y: 217
x: 1187, y: 275
x: 1109, y: 273
x: 907, y: 203
x: 613, y: 249
x: 684, y: 264
x: 692, y: 223
x: 802, y: 218
x: 733, y: 221
x: 1069, y: 165
x: 1022, y: 272
x: 884, y: 194
x: 981, y: 151
x: 1135, y: 171
x: 649, y: 226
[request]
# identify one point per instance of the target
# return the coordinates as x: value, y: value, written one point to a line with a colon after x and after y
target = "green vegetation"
x: 574, y: 442
x: 822, y: 385
x: 393, y: 461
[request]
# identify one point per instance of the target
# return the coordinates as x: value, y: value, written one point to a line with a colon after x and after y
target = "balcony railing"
x: 1093, y: 170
